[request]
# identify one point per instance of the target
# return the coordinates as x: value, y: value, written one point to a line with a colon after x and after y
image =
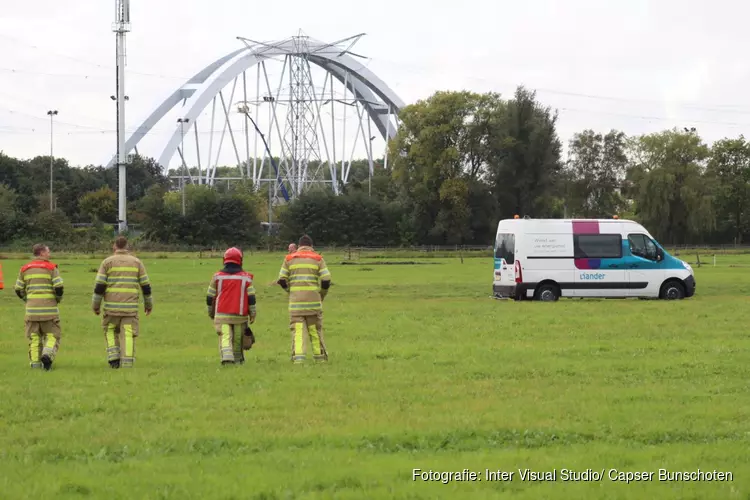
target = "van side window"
x: 642, y: 246
x: 505, y: 247
x: 597, y: 246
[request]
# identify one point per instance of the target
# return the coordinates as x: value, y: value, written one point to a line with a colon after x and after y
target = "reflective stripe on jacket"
x: 304, y: 270
x: 231, y: 295
x: 119, y: 282
x: 39, y: 284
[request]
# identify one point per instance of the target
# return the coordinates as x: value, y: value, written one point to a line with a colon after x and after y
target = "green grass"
x: 425, y: 372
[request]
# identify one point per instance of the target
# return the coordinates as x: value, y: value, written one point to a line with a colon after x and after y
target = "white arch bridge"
x: 304, y: 137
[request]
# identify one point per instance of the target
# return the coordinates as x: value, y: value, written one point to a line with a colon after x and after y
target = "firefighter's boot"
x: 46, y: 362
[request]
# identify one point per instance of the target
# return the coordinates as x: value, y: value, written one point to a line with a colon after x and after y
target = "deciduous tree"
x: 671, y: 194
x: 729, y: 168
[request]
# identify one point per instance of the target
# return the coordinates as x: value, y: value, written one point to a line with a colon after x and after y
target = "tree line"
x: 87, y: 197
x: 460, y: 162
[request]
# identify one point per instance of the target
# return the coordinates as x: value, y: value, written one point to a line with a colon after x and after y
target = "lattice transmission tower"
x: 301, y: 135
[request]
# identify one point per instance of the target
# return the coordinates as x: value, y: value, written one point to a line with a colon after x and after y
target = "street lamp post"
x: 52, y: 114
x: 369, y: 179
x: 182, y: 122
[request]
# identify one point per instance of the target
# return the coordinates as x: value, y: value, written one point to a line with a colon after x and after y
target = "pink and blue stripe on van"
x: 586, y: 227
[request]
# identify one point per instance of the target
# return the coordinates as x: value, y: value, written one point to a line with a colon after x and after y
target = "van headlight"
x: 687, y: 266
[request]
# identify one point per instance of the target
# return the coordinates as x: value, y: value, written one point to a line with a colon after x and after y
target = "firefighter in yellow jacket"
x: 305, y: 276
x: 40, y: 286
x: 120, y: 279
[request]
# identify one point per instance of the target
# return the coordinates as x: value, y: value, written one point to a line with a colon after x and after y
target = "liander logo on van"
x: 593, y: 276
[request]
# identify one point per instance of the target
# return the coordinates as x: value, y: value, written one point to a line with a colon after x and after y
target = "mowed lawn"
x: 426, y: 371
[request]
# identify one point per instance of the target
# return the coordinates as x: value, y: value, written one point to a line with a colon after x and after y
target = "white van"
x: 545, y: 259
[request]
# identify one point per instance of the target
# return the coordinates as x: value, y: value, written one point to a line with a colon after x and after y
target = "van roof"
x: 557, y: 221
x: 567, y: 225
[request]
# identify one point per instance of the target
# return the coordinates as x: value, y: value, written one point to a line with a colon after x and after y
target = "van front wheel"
x: 547, y: 293
x: 672, y: 290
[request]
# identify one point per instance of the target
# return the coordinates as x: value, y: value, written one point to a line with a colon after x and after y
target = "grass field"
x: 426, y: 371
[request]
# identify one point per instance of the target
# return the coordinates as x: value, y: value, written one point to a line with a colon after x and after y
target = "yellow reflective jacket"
x: 307, y: 279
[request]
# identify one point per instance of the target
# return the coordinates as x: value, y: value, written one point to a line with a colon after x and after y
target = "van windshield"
x: 505, y: 247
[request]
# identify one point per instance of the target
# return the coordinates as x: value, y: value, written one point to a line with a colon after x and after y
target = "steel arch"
x: 379, y: 100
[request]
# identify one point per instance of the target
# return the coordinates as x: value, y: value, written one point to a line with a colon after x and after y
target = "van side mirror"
x: 659, y: 254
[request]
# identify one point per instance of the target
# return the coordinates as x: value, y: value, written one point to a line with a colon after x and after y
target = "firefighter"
x: 231, y: 304
x: 120, y: 278
x: 305, y: 276
x: 40, y: 286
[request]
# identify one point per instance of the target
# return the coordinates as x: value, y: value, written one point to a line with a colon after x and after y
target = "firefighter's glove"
x: 211, y: 312
x: 96, y: 302
x: 324, y: 289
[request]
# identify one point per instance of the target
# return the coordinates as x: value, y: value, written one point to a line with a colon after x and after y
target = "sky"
x: 638, y: 66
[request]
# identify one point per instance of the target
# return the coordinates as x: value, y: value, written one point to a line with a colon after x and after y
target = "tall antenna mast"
x: 121, y: 26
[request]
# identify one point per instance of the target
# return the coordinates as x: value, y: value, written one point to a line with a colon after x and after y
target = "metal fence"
x: 693, y: 253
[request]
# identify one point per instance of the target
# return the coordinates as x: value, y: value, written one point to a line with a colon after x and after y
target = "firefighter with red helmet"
x: 231, y: 304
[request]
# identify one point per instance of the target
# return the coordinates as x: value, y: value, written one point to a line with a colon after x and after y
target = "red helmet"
x: 233, y: 255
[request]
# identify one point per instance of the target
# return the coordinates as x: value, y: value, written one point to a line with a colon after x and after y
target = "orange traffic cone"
x: 1, y: 277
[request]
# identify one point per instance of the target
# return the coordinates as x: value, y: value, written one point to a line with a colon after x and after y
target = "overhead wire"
x: 76, y: 59
x: 88, y: 129
x: 412, y: 67
x: 723, y: 108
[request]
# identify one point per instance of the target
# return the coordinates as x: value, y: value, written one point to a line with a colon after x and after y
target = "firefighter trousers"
x: 307, y: 329
x: 44, y: 340
x: 230, y: 342
x: 120, y: 333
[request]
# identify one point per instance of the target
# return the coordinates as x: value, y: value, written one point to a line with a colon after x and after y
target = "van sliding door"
x: 600, y: 268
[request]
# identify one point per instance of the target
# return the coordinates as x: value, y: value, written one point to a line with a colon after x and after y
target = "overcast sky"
x: 638, y: 66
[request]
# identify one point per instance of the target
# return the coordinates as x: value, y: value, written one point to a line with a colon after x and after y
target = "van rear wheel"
x: 547, y: 293
x: 672, y: 290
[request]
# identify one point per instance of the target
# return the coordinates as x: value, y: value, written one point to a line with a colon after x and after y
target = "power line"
x: 38, y: 104
x: 35, y: 117
x: 96, y: 130
x: 10, y: 130
x: 100, y: 129
x: 84, y: 76
x: 84, y: 61
x: 723, y: 108
x: 656, y: 118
